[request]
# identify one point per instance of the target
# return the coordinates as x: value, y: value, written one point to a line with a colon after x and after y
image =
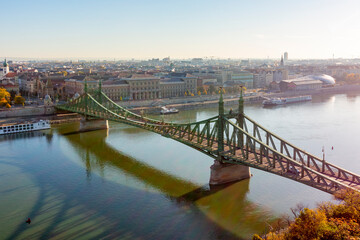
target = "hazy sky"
x: 144, y: 29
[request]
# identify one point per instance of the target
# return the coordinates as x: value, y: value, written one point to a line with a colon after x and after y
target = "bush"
x: 19, y: 100
x: 329, y: 221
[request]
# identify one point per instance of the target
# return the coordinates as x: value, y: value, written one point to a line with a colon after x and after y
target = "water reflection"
x: 226, y: 205
x: 351, y: 97
x: 22, y: 135
x: 67, y: 207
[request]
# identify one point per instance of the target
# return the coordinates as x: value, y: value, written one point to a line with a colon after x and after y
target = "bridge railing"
x: 267, y: 149
x: 298, y: 154
x: 260, y: 152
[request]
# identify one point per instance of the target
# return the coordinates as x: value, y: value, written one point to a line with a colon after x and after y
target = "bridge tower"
x: 90, y: 124
x: 221, y: 173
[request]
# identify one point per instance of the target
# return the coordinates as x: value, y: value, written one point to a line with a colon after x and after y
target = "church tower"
x: 5, y: 68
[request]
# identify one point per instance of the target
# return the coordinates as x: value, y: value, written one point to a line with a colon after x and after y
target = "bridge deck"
x: 239, y: 145
x: 266, y: 165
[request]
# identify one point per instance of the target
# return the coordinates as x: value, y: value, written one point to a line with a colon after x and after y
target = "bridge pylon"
x: 220, y: 172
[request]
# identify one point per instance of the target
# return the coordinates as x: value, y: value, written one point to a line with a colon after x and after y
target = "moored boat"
x: 281, y: 101
x: 165, y: 110
x: 24, y: 127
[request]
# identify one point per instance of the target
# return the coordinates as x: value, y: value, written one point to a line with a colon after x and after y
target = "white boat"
x: 24, y: 127
x: 281, y: 101
x: 165, y: 110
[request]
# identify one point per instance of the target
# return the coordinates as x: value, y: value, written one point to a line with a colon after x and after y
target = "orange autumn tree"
x: 4, y: 98
x: 329, y: 221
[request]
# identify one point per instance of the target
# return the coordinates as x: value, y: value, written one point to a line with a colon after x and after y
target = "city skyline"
x: 182, y: 29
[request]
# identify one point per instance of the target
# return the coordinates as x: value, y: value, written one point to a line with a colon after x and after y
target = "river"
x: 127, y: 183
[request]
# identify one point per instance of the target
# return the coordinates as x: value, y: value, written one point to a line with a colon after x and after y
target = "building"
x: 76, y: 84
x: 307, y: 83
x: 172, y: 87
x: 280, y: 74
x: 286, y: 56
x: 116, y: 89
x: 263, y: 79
x: 142, y: 88
x: 244, y: 78
x: 298, y: 85
x: 190, y: 81
x: 5, y: 68
x: 136, y: 86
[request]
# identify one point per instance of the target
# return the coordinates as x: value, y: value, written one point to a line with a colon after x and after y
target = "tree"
x: 4, y: 97
x: 212, y: 89
x: 201, y: 89
x: 4, y: 94
x: 12, y: 95
x: 329, y: 221
x: 19, y: 99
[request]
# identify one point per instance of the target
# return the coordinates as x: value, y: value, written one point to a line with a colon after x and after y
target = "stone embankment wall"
x: 151, y: 106
x: 27, y: 111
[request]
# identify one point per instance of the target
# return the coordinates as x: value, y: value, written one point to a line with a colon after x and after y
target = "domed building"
x: 325, y: 79
x: 307, y: 83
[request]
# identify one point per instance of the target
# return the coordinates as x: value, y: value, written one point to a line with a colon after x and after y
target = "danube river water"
x: 127, y: 183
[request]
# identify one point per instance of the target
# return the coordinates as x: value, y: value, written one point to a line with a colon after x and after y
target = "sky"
x: 143, y: 29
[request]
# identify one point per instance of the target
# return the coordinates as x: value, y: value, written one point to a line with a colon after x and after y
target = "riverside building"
x: 137, y: 87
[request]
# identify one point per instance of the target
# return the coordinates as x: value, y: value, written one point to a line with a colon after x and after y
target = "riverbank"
x: 54, y: 119
x: 230, y: 100
x: 183, y: 103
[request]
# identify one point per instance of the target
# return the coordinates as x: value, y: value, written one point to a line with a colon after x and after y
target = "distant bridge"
x: 229, y: 138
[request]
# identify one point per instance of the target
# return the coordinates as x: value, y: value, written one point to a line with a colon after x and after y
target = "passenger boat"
x: 24, y: 127
x: 281, y: 101
x: 165, y: 110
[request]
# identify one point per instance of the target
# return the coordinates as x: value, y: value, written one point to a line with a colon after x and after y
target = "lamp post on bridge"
x: 240, y: 117
x: 221, y: 125
x: 99, y: 93
x: 86, y: 99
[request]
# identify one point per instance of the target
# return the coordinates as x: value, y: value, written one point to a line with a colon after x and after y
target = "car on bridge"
x: 293, y: 170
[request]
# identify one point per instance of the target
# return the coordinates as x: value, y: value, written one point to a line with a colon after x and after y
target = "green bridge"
x: 231, y: 139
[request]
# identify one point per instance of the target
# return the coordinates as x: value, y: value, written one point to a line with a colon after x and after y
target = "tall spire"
x: 5, y: 63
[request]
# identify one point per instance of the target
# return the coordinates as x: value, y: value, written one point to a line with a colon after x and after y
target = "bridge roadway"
x: 230, y: 138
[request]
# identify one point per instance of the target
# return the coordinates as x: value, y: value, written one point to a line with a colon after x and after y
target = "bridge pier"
x: 93, y: 124
x: 222, y: 173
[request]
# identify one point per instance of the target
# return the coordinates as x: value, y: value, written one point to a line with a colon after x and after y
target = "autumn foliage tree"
x: 4, y: 98
x: 329, y: 221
